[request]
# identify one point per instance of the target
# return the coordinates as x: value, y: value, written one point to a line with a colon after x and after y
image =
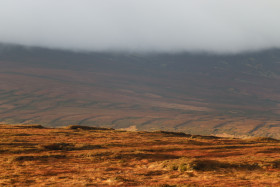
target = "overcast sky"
x: 142, y: 25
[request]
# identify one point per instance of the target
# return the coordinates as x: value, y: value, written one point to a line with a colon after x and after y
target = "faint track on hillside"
x: 119, y: 119
x: 51, y: 107
x: 222, y: 124
x: 257, y: 127
x: 188, y: 122
x: 12, y: 100
x: 61, y: 117
x: 17, y: 108
x: 86, y: 119
x: 29, y: 119
x: 182, y: 124
x: 150, y: 121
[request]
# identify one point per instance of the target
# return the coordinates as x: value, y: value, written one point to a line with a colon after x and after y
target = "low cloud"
x: 220, y: 26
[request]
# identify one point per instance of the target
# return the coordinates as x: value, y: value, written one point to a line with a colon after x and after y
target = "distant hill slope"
x: 230, y: 95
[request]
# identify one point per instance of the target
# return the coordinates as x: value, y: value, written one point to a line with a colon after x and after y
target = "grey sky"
x: 142, y: 25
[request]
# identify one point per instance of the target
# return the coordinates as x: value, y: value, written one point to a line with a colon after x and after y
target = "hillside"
x: 226, y: 95
x: 31, y: 155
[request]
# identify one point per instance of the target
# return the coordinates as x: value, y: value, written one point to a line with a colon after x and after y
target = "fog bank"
x: 220, y: 26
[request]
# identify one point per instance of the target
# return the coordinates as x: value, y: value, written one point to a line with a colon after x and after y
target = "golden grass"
x: 35, y: 156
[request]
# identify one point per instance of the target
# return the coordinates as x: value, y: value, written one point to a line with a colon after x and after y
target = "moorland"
x: 32, y: 155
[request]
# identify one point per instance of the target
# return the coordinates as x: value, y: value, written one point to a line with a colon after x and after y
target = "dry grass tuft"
x: 58, y: 146
x: 189, y: 164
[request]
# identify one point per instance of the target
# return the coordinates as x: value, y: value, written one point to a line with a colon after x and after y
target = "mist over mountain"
x: 217, y: 26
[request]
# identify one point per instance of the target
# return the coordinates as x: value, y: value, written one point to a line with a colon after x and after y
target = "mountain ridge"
x: 194, y: 93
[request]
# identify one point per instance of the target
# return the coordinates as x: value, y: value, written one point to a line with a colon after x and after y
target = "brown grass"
x: 90, y: 156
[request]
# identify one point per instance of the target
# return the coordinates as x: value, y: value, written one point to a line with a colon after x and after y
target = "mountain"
x: 198, y: 93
